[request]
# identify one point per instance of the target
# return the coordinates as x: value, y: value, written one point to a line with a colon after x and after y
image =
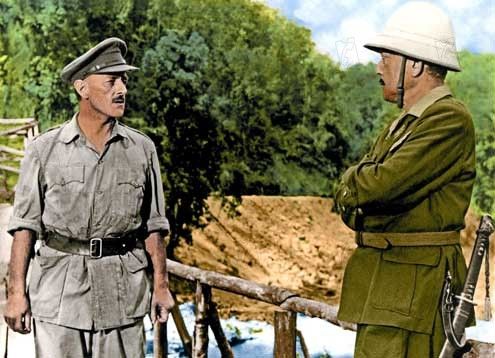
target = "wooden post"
x: 302, y: 342
x: 6, y: 340
x: 285, y: 334
x: 160, y: 342
x: 200, y: 340
x: 182, y: 330
x: 216, y: 327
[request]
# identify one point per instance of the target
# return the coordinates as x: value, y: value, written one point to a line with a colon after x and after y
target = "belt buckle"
x: 96, y: 248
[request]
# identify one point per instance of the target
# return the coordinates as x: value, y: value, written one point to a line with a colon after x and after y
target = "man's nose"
x: 121, y: 86
x: 379, y: 68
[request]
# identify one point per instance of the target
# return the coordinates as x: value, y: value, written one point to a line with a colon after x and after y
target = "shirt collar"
x: 71, y: 130
x: 118, y: 130
x: 419, y: 107
x: 427, y: 100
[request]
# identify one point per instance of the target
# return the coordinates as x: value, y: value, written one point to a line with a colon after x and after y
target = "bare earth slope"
x: 293, y: 242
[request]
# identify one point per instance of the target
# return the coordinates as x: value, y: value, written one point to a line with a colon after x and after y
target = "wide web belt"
x: 386, y: 240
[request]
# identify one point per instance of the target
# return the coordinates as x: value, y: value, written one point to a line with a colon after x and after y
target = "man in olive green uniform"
x: 406, y: 199
x: 91, y: 191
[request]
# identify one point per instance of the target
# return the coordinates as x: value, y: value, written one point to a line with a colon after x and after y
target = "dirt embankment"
x: 293, y: 242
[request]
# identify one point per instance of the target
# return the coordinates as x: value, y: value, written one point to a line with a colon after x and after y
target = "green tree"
x: 175, y: 103
x: 475, y: 86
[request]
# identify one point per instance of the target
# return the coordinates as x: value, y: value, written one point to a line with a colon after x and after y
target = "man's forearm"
x: 22, y: 247
x: 155, y: 246
x: 162, y: 301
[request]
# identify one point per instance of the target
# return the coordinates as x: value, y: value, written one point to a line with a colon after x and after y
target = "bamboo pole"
x: 216, y: 327
x: 4, y: 148
x: 182, y: 330
x: 200, y: 340
x: 9, y: 168
x: 160, y: 342
x: 16, y: 120
x: 285, y: 334
x: 16, y: 130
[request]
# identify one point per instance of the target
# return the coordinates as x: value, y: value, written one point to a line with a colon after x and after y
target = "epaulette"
x: 135, y: 130
x: 57, y: 126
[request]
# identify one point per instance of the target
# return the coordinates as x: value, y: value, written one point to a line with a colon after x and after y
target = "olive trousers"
x: 391, y: 342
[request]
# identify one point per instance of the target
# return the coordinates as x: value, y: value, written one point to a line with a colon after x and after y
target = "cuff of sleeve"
x: 17, y: 223
x: 158, y: 224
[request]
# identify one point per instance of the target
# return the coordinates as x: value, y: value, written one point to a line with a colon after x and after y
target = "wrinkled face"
x: 106, y: 93
x: 389, y: 71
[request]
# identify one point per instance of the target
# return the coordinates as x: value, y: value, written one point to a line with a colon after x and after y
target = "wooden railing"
x: 26, y: 127
x: 285, y: 322
x: 9, y: 156
x: 285, y: 325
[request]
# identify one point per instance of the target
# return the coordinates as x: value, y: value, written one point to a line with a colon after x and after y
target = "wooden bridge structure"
x: 285, y: 321
x: 10, y: 156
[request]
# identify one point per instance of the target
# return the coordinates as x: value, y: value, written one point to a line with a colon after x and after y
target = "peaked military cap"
x: 106, y: 57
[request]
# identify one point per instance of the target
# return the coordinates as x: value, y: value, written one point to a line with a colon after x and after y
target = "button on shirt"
x: 65, y: 186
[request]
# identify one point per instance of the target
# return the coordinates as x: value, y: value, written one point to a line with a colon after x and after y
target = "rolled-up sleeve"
x: 156, y: 221
x: 28, y: 207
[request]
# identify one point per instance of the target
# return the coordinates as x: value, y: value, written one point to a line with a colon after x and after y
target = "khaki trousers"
x: 53, y: 341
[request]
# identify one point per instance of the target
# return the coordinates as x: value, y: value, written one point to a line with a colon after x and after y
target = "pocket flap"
x: 429, y: 256
x: 126, y: 176
x: 63, y: 175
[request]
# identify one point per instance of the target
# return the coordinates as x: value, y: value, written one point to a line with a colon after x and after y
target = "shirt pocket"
x: 47, y: 281
x: 405, y: 280
x: 66, y: 199
x: 68, y: 177
x: 137, y: 283
x: 129, y: 193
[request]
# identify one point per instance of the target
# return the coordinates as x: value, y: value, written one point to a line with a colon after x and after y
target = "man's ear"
x: 418, y: 68
x: 81, y: 88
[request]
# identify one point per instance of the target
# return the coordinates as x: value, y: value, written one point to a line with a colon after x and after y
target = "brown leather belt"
x: 96, y: 247
x: 385, y: 240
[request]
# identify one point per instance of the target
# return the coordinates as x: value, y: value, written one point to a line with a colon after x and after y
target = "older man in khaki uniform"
x: 406, y: 199
x: 91, y: 191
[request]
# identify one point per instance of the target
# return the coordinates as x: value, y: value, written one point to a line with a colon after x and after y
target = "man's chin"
x: 117, y: 114
x: 389, y: 97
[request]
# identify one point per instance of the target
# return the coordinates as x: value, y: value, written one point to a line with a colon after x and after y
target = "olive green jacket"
x: 418, y: 177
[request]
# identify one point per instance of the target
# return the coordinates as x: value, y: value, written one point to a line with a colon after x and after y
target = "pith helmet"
x: 422, y: 31
x: 106, y: 57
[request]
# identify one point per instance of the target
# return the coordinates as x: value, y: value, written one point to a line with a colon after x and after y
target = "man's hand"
x: 18, y: 313
x: 161, y: 304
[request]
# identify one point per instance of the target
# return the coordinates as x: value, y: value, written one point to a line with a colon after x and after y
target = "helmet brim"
x: 415, y: 50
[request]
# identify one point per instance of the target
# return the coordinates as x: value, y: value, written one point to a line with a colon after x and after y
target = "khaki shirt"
x: 418, y: 177
x: 66, y: 187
